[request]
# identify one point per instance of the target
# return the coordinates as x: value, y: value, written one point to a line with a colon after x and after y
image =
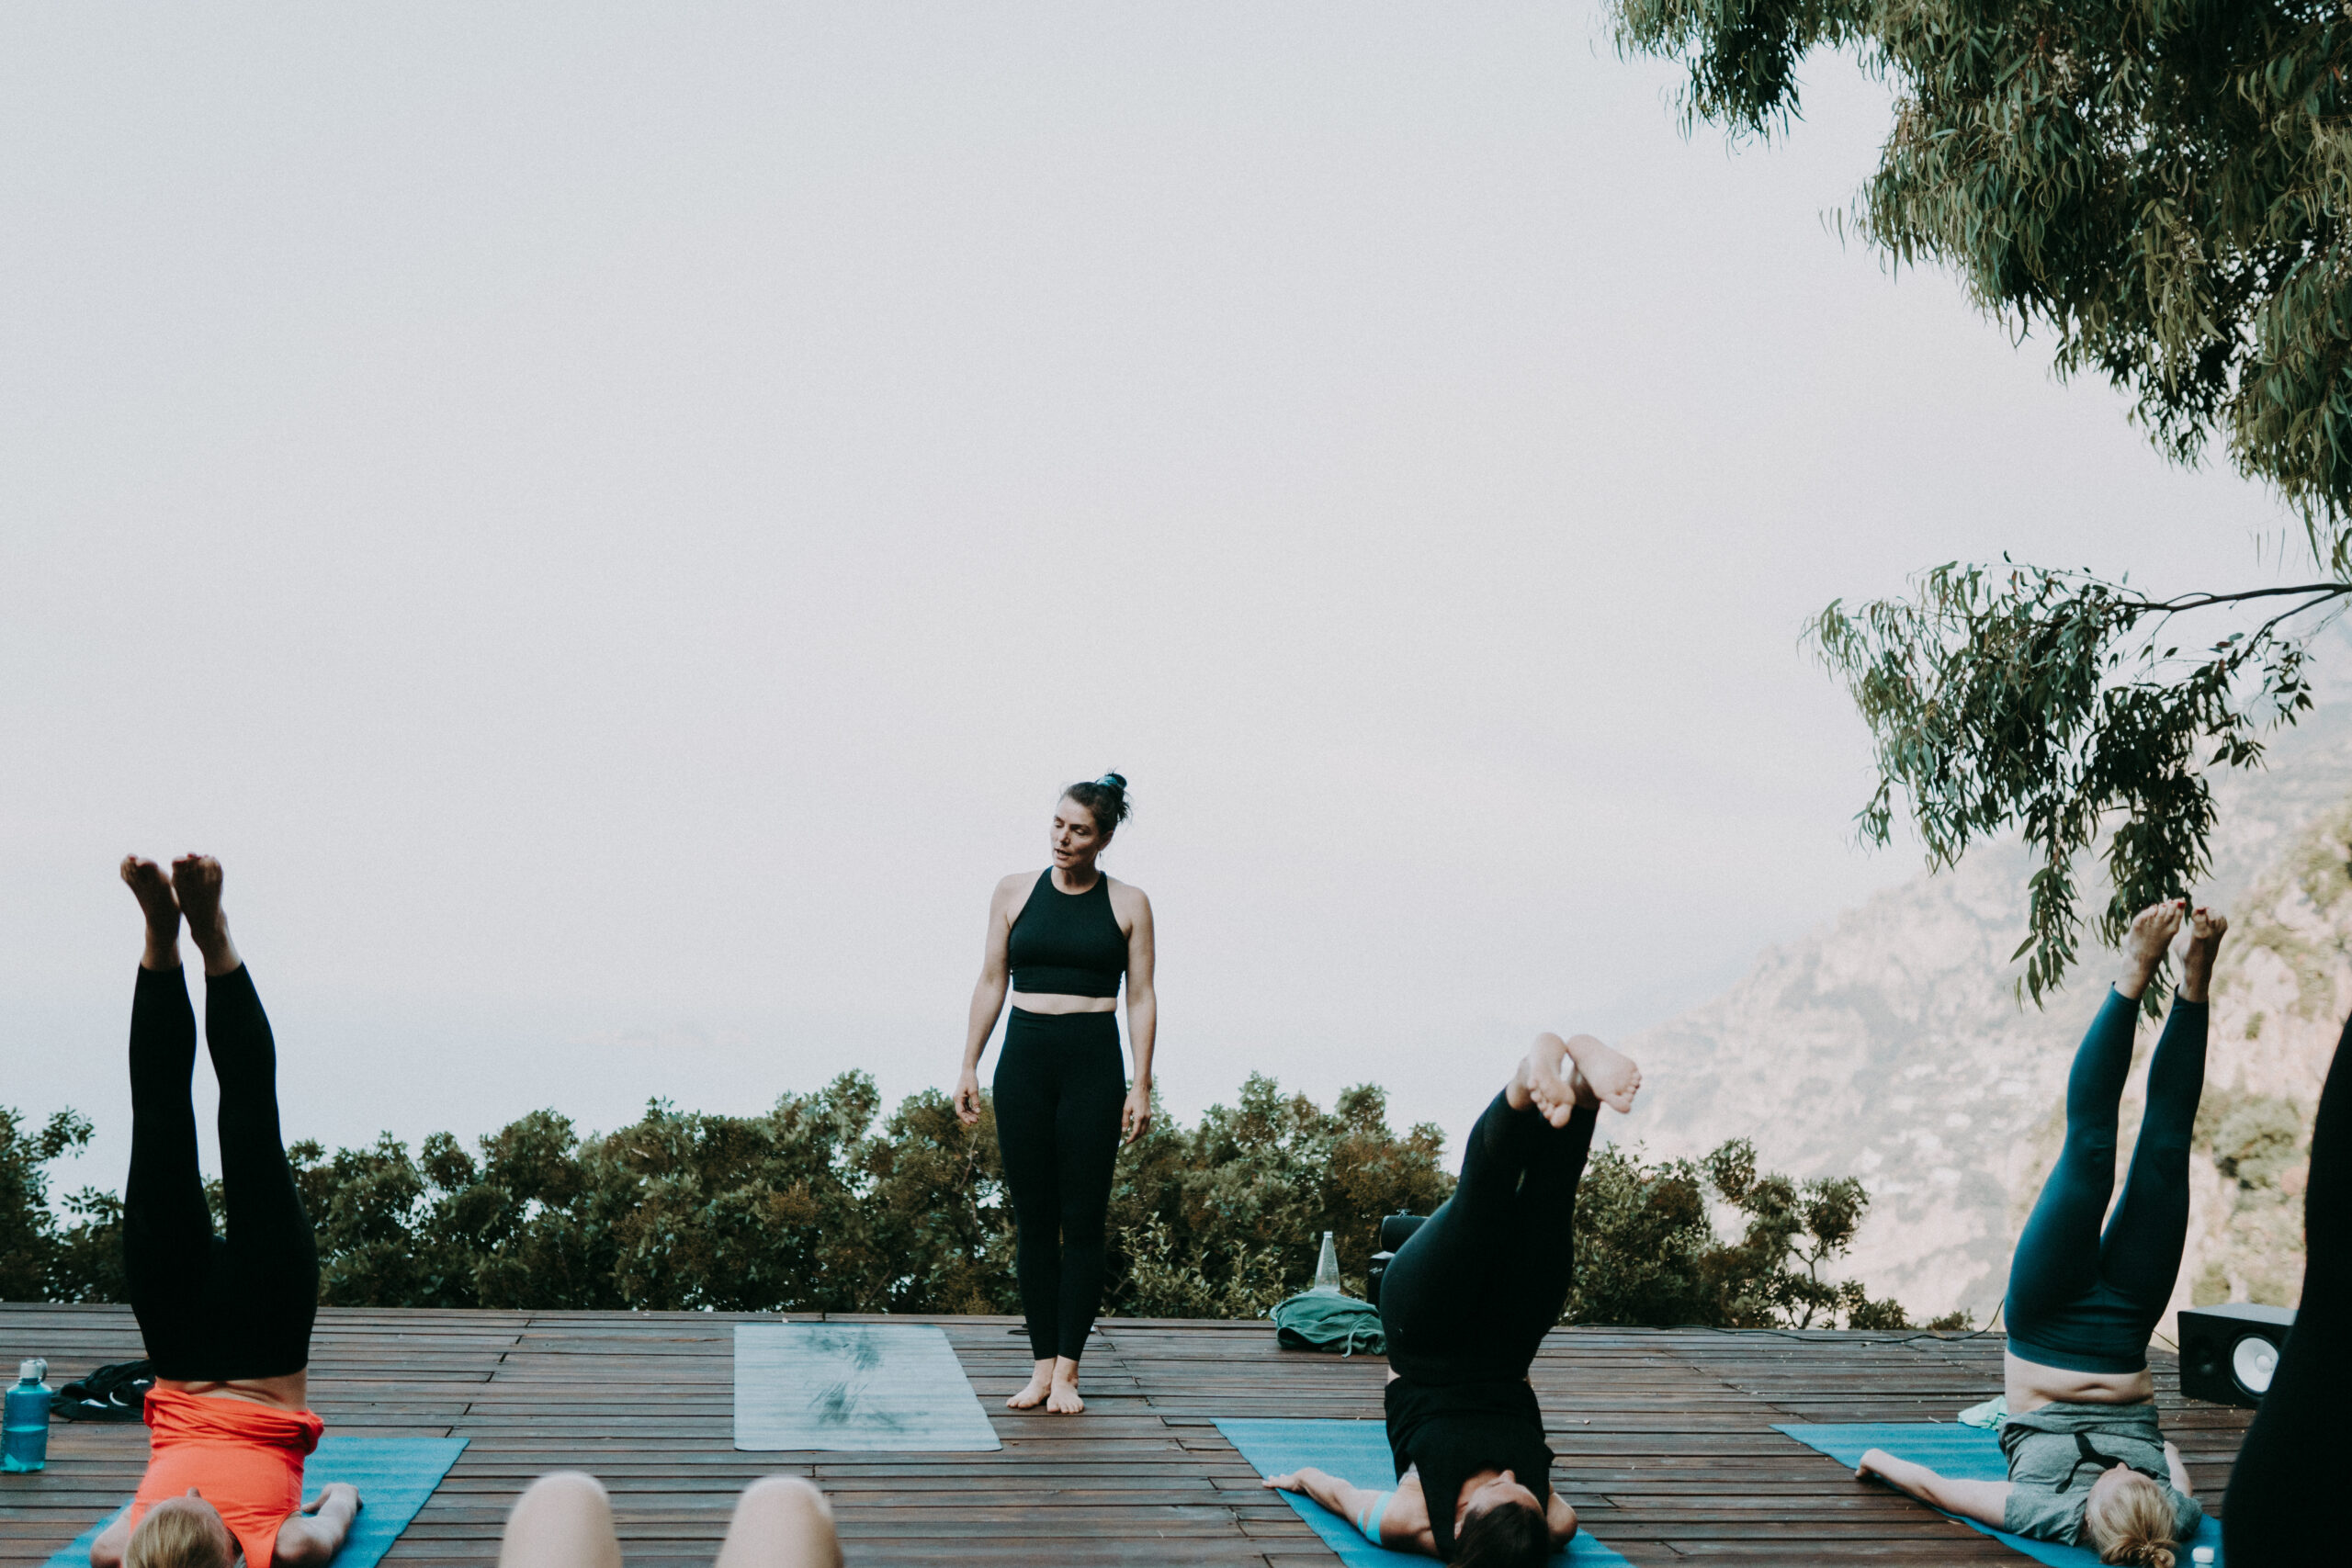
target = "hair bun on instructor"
x: 1106, y: 798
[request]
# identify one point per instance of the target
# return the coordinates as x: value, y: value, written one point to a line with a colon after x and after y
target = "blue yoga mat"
x: 1964, y: 1453
x: 1357, y: 1453
x: 394, y: 1475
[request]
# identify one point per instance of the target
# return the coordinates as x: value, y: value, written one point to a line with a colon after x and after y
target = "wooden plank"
x: 1665, y: 1438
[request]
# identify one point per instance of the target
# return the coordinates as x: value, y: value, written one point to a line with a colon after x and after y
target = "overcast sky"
x: 615, y: 523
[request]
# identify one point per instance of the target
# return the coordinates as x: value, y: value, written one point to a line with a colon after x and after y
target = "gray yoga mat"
x: 878, y: 1387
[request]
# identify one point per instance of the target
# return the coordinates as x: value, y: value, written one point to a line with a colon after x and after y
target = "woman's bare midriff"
x: 1051, y: 1003
x: 291, y: 1392
x: 2031, y: 1385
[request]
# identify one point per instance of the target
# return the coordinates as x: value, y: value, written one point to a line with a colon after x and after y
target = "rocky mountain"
x: 1891, y: 1046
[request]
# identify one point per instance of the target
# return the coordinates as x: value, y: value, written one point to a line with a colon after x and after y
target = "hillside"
x: 1890, y: 1045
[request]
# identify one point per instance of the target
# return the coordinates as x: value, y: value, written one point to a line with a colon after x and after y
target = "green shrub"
x: 821, y: 1205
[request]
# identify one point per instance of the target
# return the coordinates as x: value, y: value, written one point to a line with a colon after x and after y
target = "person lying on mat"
x: 2088, y: 1466
x: 226, y: 1318
x: 1464, y: 1306
x: 565, y: 1520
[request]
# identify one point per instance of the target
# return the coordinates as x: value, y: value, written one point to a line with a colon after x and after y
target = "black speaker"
x: 2228, y: 1352
x: 1395, y: 1230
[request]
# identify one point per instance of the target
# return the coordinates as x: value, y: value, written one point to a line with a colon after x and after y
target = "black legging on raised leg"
x: 2080, y: 1297
x: 2282, y: 1508
x: 213, y: 1307
x: 1470, y: 1297
x: 1059, y: 1087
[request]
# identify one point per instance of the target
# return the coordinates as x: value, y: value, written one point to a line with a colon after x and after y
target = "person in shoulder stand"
x: 2087, y: 1464
x: 1465, y: 1306
x: 226, y: 1319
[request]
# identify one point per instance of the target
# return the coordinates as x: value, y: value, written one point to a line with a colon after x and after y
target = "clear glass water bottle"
x: 1327, y: 1270
x: 24, y: 1431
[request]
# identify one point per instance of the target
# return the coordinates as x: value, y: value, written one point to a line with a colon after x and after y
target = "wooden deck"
x: 1665, y: 1438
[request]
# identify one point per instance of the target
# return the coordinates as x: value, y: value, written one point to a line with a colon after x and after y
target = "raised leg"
x: 272, y: 1251
x: 166, y: 1227
x: 1474, y: 1290
x: 2057, y: 1257
x: 2140, y: 1255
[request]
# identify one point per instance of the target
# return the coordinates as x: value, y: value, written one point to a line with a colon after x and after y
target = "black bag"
x: 117, y: 1391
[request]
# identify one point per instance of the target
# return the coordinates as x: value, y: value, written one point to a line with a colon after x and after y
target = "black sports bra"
x: 1067, y: 944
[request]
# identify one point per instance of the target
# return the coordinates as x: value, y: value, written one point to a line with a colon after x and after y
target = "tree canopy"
x: 825, y: 1204
x: 2161, y: 189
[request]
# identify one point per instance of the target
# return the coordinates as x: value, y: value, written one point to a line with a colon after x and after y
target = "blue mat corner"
x: 1357, y: 1453
x: 1964, y: 1453
x: 394, y: 1475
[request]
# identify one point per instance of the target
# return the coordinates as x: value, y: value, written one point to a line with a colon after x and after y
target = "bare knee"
x: 780, y: 1498
x: 567, y: 1489
x: 781, y: 1521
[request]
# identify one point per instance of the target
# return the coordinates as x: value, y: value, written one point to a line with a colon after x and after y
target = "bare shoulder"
x: 1128, y: 901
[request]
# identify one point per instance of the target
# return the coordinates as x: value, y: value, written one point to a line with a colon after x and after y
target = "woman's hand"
x: 968, y: 1099
x: 1135, y: 1116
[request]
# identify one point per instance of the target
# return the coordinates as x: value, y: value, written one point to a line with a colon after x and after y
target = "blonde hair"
x: 179, y: 1537
x: 2131, y: 1522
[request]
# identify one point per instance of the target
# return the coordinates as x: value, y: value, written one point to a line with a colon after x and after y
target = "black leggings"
x: 1059, y: 1088
x: 1471, y: 1295
x: 2281, y: 1508
x: 210, y: 1307
x: 2086, y: 1300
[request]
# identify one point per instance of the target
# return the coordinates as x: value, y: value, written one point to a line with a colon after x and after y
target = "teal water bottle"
x: 24, y: 1431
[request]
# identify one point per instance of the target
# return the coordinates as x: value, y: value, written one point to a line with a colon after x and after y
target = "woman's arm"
x: 1405, y: 1526
x: 987, y: 1001
x: 1983, y: 1501
x: 312, y: 1538
x: 1143, y: 1018
x: 1562, y: 1519
x: 107, y: 1550
x: 2172, y: 1462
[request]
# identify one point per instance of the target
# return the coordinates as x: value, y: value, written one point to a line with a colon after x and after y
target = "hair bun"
x: 1114, y: 780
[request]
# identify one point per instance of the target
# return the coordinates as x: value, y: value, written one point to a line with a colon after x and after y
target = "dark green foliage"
x: 1648, y: 1250
x: 2049, y: 701
x: 2163, y: 188
x: 814, y: 1207
x: 39, y: 1260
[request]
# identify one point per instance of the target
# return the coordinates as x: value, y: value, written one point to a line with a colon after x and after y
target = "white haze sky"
x: 616, y: 522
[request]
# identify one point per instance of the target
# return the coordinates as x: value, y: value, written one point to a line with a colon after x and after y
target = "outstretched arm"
x: 312, y: 1538
x: 1987, y: 1502
x: 1405, y: 1526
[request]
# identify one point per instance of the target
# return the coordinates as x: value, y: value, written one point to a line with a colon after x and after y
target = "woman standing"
x: 1059, y: 942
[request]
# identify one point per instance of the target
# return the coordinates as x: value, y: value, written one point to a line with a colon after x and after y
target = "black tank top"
x: 1454, y: 1431
x: 1067, y: 944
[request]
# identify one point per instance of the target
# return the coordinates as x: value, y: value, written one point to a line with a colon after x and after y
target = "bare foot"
x: 1611, y: 1073
x: 1033, y: 1395
x: 2206, y: 930
x: 2151, y: 932
x: 1546, y: 1080
x: 1063, y: 1400
x: 197, y: 880
x: 147, y: 883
